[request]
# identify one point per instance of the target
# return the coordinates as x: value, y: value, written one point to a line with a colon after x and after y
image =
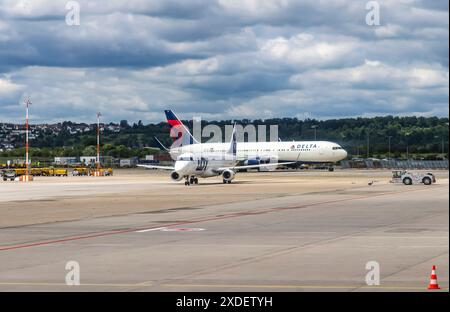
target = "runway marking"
x: 206, y: 219
x: 299, y: 286
x: 74, y: 287
x: 169, y: 229
x: 151, y: 229
x: 182, y: 229
x: 64, y: 240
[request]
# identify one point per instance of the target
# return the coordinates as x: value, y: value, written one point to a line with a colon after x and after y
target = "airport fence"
x: 395, y: 164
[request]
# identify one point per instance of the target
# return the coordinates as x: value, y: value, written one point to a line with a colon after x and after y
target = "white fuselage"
x: 202, y: 166
x: 299, y: 151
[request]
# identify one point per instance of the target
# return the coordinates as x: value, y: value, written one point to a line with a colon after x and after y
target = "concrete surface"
x: 293, y: 231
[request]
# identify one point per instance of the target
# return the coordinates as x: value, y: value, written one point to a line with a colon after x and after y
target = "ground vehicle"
x: 83, y: 171
x: 60, y: 172
x: 20, y: 171
x: 107, y: 171
x: 80, y: 171
x: 9, y: 175
x: 408, y: 178
x: 103, y: 172
x: 47, y: 172
x: 36, y: 171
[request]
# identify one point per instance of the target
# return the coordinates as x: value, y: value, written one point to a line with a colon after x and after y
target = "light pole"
x: 27, y: 146
x: 27, y: 177
x: 315, y: 131
x: 98, y: 141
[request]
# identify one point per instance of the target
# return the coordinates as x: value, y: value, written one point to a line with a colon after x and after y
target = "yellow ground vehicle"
x: 36, y: 171
x: 20, y: 171
x: 47, y: 171
x: 60, y: 172
x: 108, y: 171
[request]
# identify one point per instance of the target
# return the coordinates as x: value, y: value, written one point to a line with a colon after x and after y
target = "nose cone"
x: 343, y: 154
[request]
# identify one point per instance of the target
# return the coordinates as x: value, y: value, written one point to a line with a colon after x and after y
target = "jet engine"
x: 228, y: 175
x: 175, y: 176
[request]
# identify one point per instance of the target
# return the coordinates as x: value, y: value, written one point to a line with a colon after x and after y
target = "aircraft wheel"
x: 196, y: 181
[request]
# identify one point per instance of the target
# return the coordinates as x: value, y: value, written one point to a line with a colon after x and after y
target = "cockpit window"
x: 337, y: 147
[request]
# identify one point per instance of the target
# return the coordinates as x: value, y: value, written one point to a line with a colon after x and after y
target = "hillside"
x: 420, y: 135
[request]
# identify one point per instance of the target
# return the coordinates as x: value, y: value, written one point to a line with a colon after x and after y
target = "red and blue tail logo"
x: 178, y: 131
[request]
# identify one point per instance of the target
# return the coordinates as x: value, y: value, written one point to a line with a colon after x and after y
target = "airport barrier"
x: 395, y: 164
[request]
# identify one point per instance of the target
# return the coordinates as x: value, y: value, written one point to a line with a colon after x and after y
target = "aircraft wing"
x: 255, y: 166
x: 157, y: 167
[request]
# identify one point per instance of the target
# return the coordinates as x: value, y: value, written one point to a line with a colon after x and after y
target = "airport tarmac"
x: 280, y: 231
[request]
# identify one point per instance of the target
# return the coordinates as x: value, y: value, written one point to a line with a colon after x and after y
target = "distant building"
x: 128, y: 162
x: 88, y: 160
x: 65, y: 161
x: 92, y: 160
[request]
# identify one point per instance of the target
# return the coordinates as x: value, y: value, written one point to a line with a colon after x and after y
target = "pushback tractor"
x: 409, y: 178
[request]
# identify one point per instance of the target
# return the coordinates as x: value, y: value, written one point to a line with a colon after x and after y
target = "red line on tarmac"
x: 227, y: 216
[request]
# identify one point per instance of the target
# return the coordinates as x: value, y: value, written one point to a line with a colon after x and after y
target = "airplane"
x: 253, y: 153
x: 209, y: 164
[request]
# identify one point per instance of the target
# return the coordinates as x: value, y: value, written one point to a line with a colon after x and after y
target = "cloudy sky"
x: 223, y: 59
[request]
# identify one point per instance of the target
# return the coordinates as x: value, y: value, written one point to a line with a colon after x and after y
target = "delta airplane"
x: 256, y: 152
x: 207, y: 158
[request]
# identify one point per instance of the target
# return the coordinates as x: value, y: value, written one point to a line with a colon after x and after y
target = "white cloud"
x: 225, y: 58
x: 9, y: 89
x: 375, y: 75
x: 388, y: 31
x: 304, y: 50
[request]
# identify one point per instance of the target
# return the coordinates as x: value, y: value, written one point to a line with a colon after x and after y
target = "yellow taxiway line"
x: 300, y: 286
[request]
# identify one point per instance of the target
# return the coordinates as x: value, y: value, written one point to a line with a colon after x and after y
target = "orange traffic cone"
x: 433, y: 279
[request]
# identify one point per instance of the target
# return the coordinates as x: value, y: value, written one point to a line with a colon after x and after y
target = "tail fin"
x: 233, y: 142
x: 178, y: 130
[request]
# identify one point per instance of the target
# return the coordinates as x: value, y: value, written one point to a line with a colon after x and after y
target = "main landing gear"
x: 191, y: 180
x: 226, y: 181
